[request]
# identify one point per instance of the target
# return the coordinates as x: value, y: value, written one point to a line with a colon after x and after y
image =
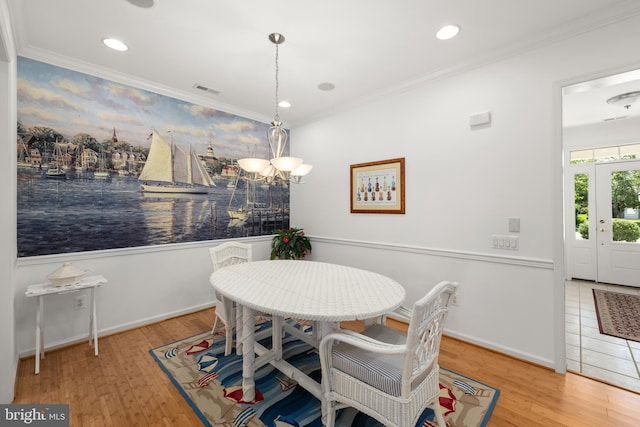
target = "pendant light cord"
x: 277, y: 117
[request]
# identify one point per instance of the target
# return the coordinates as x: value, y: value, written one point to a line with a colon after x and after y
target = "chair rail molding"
x: 447, y: 253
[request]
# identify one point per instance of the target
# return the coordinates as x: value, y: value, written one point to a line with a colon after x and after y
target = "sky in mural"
x: 71, y: 102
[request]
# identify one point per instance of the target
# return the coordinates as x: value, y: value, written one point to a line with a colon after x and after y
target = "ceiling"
x: 586, y: 103
x: 365, y: 48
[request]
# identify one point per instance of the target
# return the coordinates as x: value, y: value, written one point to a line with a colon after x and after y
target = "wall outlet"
x: 456, y: 300
x: 80, y: 302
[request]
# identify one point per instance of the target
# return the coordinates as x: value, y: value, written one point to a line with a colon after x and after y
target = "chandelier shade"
x: 286, y: 164
x: 253, y: 165
x: 301, y: 170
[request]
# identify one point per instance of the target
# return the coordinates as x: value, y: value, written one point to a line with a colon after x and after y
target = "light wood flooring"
x: 124, y: 387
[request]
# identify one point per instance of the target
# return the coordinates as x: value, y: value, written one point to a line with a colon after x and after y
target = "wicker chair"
x: 225, y: 254
x: 384, y: 373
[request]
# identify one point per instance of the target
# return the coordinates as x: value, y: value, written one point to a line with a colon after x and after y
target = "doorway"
x: 601, y: 148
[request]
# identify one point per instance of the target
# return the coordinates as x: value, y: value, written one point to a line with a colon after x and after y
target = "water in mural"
x: 80, y: 213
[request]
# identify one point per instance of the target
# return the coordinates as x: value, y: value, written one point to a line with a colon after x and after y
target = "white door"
x: 618, y: 261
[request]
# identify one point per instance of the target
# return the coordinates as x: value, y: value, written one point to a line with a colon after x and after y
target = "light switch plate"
x: 514, y: 225
x: 500, y: 241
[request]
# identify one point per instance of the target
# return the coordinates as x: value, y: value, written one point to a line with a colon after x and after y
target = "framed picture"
x: 378, y: 187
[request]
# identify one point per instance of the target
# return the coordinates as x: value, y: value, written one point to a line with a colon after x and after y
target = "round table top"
x: 308, y: 289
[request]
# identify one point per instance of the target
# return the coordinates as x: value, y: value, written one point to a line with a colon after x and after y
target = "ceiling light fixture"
x: 447, y: 32
x: 279, y: 167
x: 115, y: 44
x: 625, y: 99
x: 326, y: 86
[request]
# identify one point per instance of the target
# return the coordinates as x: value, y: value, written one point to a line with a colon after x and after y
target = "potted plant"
x: 290, y: 244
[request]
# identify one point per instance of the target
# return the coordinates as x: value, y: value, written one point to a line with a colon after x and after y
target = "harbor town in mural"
x: 102, y: 165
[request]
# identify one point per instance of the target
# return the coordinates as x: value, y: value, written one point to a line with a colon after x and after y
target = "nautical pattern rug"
x: 211, y: 383
x: 618, y: 314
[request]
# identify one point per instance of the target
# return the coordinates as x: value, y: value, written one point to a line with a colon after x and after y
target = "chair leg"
x: 329, y: 413
x: 439, y: 418
x: 215, y: 325
x: 228, y: 345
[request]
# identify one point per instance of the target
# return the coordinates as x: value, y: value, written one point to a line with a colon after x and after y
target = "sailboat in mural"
x: 250, y: 211
x: 101, y: 172
x: 171, y: 169
x: 57, y: 168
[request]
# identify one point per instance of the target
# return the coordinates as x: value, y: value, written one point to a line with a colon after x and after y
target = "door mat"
x: 618, y: 314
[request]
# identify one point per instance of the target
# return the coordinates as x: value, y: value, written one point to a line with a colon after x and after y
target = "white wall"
x: 8, y: 355
x: 502, y: 292
x: 144, y: 285
x: 463, y: 184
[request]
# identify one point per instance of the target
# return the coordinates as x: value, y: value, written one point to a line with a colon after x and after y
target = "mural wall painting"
x: 102, y: 165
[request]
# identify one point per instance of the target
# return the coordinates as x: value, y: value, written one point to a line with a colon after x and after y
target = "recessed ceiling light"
x: 326, y: 86
x: 115, y: 44
x: 141, y: 3
x: 447, y: 32
x: 284, y: 104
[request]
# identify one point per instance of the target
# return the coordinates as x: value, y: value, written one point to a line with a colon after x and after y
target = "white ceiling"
x: 365, y: 48
x: 585, y: 103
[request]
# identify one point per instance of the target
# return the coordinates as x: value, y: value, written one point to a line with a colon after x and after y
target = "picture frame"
x: 378, y: 187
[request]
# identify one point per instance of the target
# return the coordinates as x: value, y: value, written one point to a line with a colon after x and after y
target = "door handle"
x: 602, y: 229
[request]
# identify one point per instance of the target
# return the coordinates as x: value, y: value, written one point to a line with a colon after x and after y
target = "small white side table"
x: 43, y: 289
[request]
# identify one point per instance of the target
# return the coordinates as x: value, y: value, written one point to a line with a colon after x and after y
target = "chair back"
x: 230, y: 253
x: 424, y: 334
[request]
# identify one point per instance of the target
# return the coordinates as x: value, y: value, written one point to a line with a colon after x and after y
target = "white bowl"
x: 66, y: 275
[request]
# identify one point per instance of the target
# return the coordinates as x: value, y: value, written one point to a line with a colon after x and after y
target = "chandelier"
x: 278, y: 167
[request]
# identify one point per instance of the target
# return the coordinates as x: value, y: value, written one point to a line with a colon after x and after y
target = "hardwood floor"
x: 125, y: 387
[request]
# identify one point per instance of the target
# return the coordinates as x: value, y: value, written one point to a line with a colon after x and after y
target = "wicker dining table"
x: 320, y: 292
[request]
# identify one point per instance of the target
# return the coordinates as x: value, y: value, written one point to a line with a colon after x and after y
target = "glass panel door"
x: 618, y: 222
x: 580, y: 211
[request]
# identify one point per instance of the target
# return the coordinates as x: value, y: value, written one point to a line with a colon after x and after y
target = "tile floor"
x: 603, y: 357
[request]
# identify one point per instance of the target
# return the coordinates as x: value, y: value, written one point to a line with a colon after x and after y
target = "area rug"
x: 211, y: 383
x: 618, y: 314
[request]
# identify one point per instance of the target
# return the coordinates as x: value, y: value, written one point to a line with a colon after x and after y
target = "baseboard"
x: 149, y: 320
x: 486, y: 345
x: 117, y: 329
x: 525, y: 357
